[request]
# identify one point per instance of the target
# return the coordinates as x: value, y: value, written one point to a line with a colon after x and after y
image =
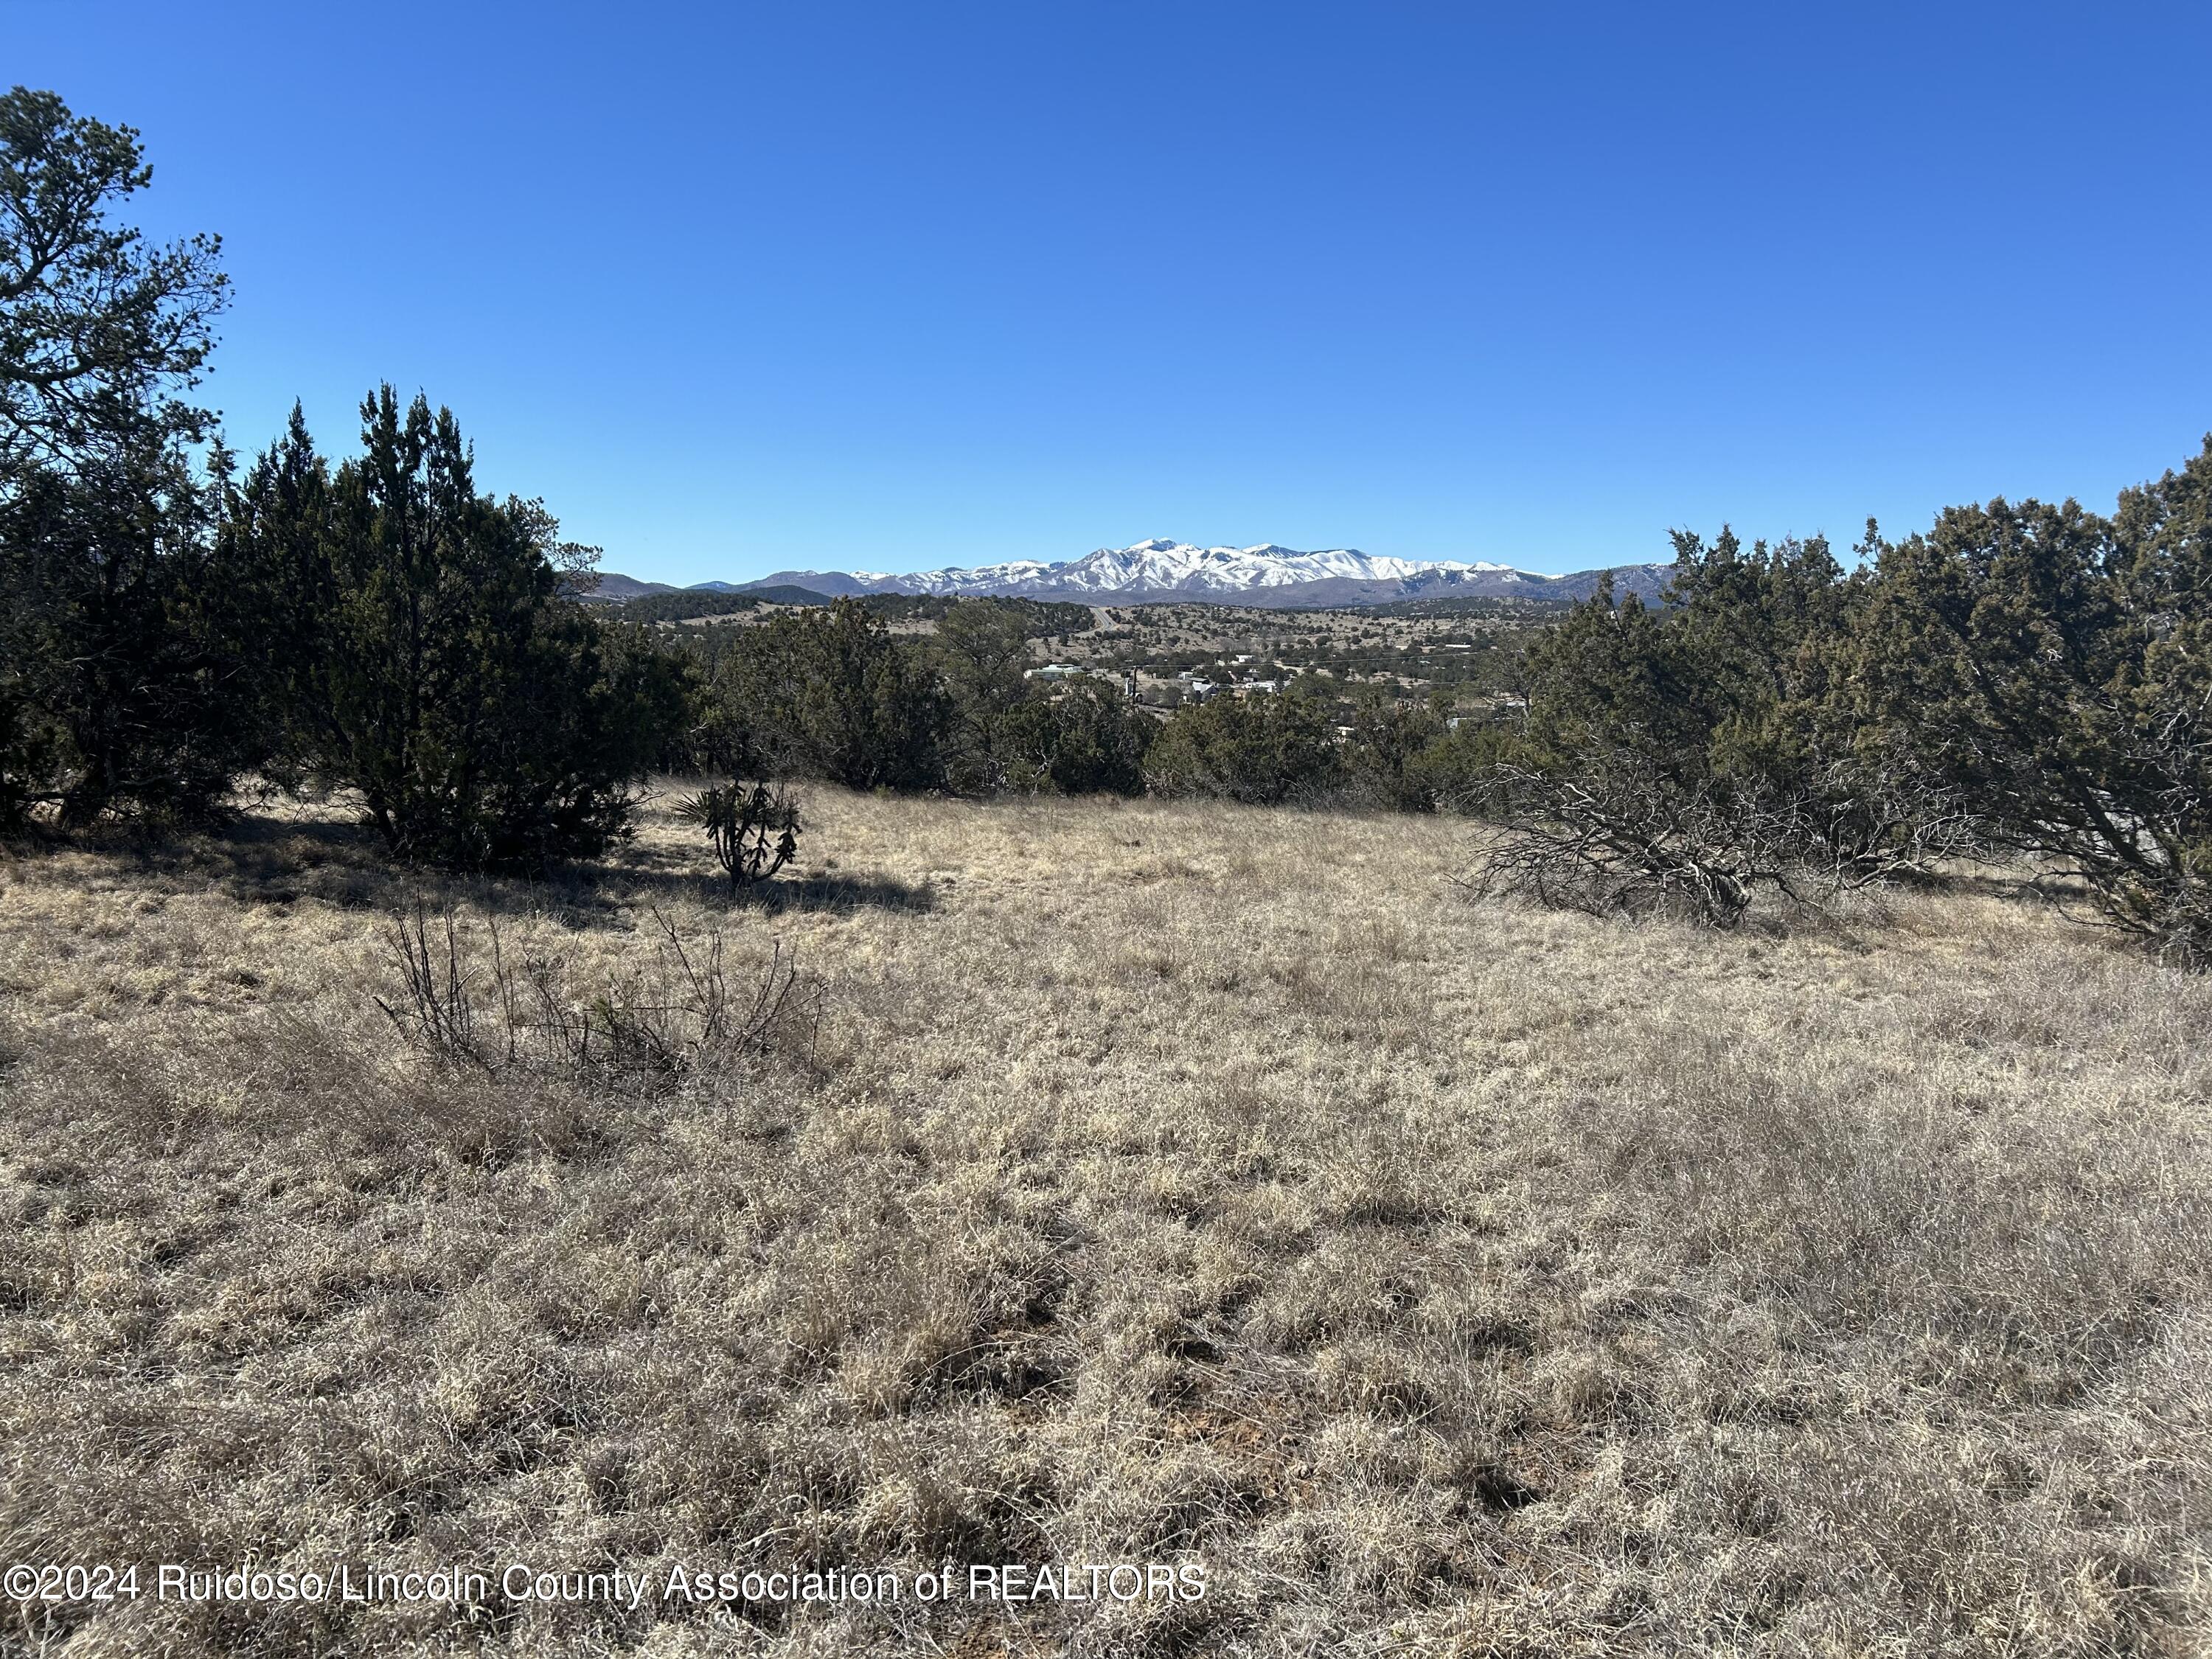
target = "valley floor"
x: 1130, y: 1183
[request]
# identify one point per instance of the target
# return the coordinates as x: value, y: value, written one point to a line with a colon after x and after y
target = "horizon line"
x: 860, y: 574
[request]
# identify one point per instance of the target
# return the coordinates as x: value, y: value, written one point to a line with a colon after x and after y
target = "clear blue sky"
x: 742, y: 287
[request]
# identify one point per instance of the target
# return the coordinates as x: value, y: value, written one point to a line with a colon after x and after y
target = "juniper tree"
x: 428, y: 653
x: 1688, y: 756
x: 982, y: 652
x: 1082, y: 740
x: 826, y: 693
x: 2052, y: 663
x: 1268, y: 751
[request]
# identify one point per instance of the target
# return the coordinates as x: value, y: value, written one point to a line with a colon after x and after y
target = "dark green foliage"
x: 27, y: 741
x: 425, y: 656
x: 1011, y: 731
x: 1687, y: 757
x: 825, y: 693
x: 2053, y: 666
x: 831, y: 693
x: 982, y: 653
x: 1265, y: 750
x: 101, y: 335
x: 1040, y: 617
x: 2029, y: 676
x: 118, y: 688
x: 121, y: 679
x: 1718, y: 680
x: 653, y: 694
x: 1385, y: 756
x: 1082, y: 740
x: 1455, y: 771
x: 754, y: 831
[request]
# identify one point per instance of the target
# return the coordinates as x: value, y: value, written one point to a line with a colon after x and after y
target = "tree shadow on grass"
x: 640, y: 877
x: 841, y: 892
x: 277, y: 857
x: 260, y: 858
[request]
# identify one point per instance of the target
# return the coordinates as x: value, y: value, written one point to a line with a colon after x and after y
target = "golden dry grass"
x: 1168, y: 1182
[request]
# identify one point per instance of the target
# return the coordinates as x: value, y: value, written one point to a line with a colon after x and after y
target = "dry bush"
x: 643, y: 1029
x: 1621, y: 835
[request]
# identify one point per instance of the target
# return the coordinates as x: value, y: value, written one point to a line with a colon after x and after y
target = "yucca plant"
x: 754, y: 830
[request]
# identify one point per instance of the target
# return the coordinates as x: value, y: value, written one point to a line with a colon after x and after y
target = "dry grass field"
x: 1128, y: 1183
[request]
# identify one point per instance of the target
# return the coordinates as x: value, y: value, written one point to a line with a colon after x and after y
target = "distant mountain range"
x: 613, y: 585
x: 1150, y: 573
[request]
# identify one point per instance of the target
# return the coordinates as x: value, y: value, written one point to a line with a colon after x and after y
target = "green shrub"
x: 1085, y: 740
x: 119, y: 694
x: 754, y: 831
x: 981, y: 652
x: 1384, y: 757
x: 1690, y: 757
x: 1264, y: 749
x: 822, y: 693
x: 2055, y: 667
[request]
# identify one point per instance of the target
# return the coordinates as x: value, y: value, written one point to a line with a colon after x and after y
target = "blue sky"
x: 741, y: 288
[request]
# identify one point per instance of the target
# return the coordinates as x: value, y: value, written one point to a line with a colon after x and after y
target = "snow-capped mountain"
x: 1156, y: 569
x: 1168, y: 567
x: 1277, y: 577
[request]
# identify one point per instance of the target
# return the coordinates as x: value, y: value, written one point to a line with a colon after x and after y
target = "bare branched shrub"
x: 439, y: 1011
x: 2166, y: 905
x: 640, y: 1033
x: 1623, y: 835
x: 754, y: 831
x: 2134, y: 859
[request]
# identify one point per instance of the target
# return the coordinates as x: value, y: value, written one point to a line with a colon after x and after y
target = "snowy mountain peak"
x: 1164, y: 568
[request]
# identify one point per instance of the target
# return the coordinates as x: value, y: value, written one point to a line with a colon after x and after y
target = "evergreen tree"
x: 1384, y: 757
x: 128, y: 694
x: 421, y: 646
x: 2052, y: 663
x: 826, y: 693
x: 982, y: 648
x: 101, y: 336
x: 1085, y: 740
x: 116, y: 691
x: 1691, y: 755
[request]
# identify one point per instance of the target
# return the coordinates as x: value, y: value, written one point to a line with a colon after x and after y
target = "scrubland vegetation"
x: 1140, y: 1182
x: 2024, y: 681
x: 1654, y: 1166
